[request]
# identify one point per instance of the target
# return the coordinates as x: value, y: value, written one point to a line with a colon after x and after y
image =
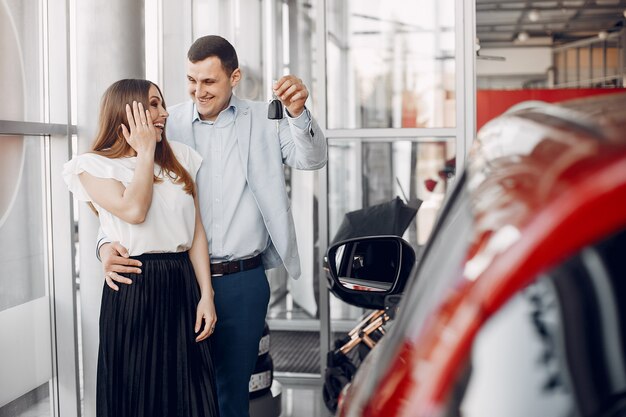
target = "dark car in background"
x: 518, y: 304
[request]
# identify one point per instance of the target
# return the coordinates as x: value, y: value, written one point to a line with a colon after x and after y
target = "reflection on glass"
x: 24, y: 308
x: 564, y: 332
x: 371, y: 265
x: 20, y: 44
x: 390, y: 64
x: 525, y: 329
x: 22, y: 243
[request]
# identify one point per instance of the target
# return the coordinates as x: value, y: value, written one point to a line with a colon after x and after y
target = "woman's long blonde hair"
x: 110, y: 141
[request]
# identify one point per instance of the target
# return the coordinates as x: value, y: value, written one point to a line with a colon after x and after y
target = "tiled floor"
x: 302, y: 401
x: 35, y: 403
x: 41, y: 409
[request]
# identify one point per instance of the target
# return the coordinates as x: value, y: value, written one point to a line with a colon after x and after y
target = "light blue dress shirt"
x: 231, y: 217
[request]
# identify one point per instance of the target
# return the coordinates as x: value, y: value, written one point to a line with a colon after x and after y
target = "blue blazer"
x: 264, y: 148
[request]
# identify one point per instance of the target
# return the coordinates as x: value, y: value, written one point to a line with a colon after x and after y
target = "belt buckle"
x: 217, y: 266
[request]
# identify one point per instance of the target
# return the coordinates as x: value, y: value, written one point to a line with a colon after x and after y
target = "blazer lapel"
x: 187, y: 126
x: 242, y: 128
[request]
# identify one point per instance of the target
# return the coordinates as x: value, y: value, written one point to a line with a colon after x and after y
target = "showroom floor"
x: 298, y: 400
x: 302, y: 401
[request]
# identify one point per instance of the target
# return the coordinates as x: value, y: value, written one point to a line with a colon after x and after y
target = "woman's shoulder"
x: 95, y: 158
x: 86, y: 160
x: 120, y: 169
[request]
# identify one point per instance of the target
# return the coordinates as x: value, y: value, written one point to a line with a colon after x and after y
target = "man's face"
x: 210, y: 87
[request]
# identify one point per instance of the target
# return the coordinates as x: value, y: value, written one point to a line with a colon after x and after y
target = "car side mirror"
x: 363, y: 271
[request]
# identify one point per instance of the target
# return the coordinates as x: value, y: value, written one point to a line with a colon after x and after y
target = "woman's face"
x: 157, y: 111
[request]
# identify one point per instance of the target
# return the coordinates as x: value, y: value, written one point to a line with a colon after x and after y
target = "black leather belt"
x: 231, y: 267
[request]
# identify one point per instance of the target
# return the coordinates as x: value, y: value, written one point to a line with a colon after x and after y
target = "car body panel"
x: 541, y: 184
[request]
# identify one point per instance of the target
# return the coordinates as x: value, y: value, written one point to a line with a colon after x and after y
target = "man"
x: 243, y: 201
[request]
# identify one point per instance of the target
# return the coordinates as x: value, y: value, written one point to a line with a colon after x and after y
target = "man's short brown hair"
x: 213, y: 45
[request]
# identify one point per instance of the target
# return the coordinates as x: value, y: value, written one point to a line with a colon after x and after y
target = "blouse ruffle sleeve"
x: 188, y: 157
x: 96, y: 165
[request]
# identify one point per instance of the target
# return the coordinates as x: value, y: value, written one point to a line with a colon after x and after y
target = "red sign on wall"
x: 492, y: 103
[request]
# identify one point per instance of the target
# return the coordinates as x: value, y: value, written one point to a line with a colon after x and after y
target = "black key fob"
x: 275, y: 110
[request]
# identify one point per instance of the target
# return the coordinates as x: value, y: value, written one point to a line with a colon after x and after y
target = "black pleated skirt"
x: 149, y: 364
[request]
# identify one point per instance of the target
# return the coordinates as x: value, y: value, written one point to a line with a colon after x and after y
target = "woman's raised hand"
x: 142, y: 136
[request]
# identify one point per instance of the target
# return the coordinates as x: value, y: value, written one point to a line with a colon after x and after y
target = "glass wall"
x: 24, y: 313
x: 33, y: 147
x: 394, y: 68
x: 21, y: 72
x: 24, y: 309
x: 390, y: 64
x: 366, y: 172
x: 375, y: 171
x: 22, y: 249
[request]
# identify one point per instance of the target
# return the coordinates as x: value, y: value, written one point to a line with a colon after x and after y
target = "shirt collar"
x: 232, y: 107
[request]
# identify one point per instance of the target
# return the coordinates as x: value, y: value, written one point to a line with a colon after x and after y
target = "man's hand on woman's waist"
x: 115, y: 261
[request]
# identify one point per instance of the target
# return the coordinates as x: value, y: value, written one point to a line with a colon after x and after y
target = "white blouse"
x: 170, y: 221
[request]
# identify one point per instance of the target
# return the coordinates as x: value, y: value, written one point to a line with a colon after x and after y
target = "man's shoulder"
x: 255, y: 106
x: 179, y: 122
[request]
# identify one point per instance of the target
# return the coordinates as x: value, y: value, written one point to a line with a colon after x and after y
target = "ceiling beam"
x: 569, y: 29
x: 565, y: 20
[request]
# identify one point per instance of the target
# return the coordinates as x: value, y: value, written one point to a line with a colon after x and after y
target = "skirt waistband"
x: 155, y: 256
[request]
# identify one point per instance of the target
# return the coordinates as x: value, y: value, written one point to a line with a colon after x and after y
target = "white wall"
x: 518, y: 61
x: 520, y: 65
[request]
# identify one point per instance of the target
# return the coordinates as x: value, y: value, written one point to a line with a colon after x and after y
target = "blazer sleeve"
x: 302, y: 147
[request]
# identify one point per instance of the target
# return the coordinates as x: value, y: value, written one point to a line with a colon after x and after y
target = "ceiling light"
x: 533, y: 15
x: 603, y: 34
x: 535, y: 41
x: 523, y: 36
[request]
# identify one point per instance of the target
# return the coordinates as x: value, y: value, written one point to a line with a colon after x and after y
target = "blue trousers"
x: 241, y: 301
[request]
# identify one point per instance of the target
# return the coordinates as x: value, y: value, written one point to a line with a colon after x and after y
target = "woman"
x: 154, y: 359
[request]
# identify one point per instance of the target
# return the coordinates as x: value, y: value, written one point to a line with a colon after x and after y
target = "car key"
x: 275, y: 108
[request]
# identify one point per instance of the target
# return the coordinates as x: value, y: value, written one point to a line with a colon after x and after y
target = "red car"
x: 518, y: 304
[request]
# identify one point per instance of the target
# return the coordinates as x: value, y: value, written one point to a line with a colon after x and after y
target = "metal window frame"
x: 11, y: 127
